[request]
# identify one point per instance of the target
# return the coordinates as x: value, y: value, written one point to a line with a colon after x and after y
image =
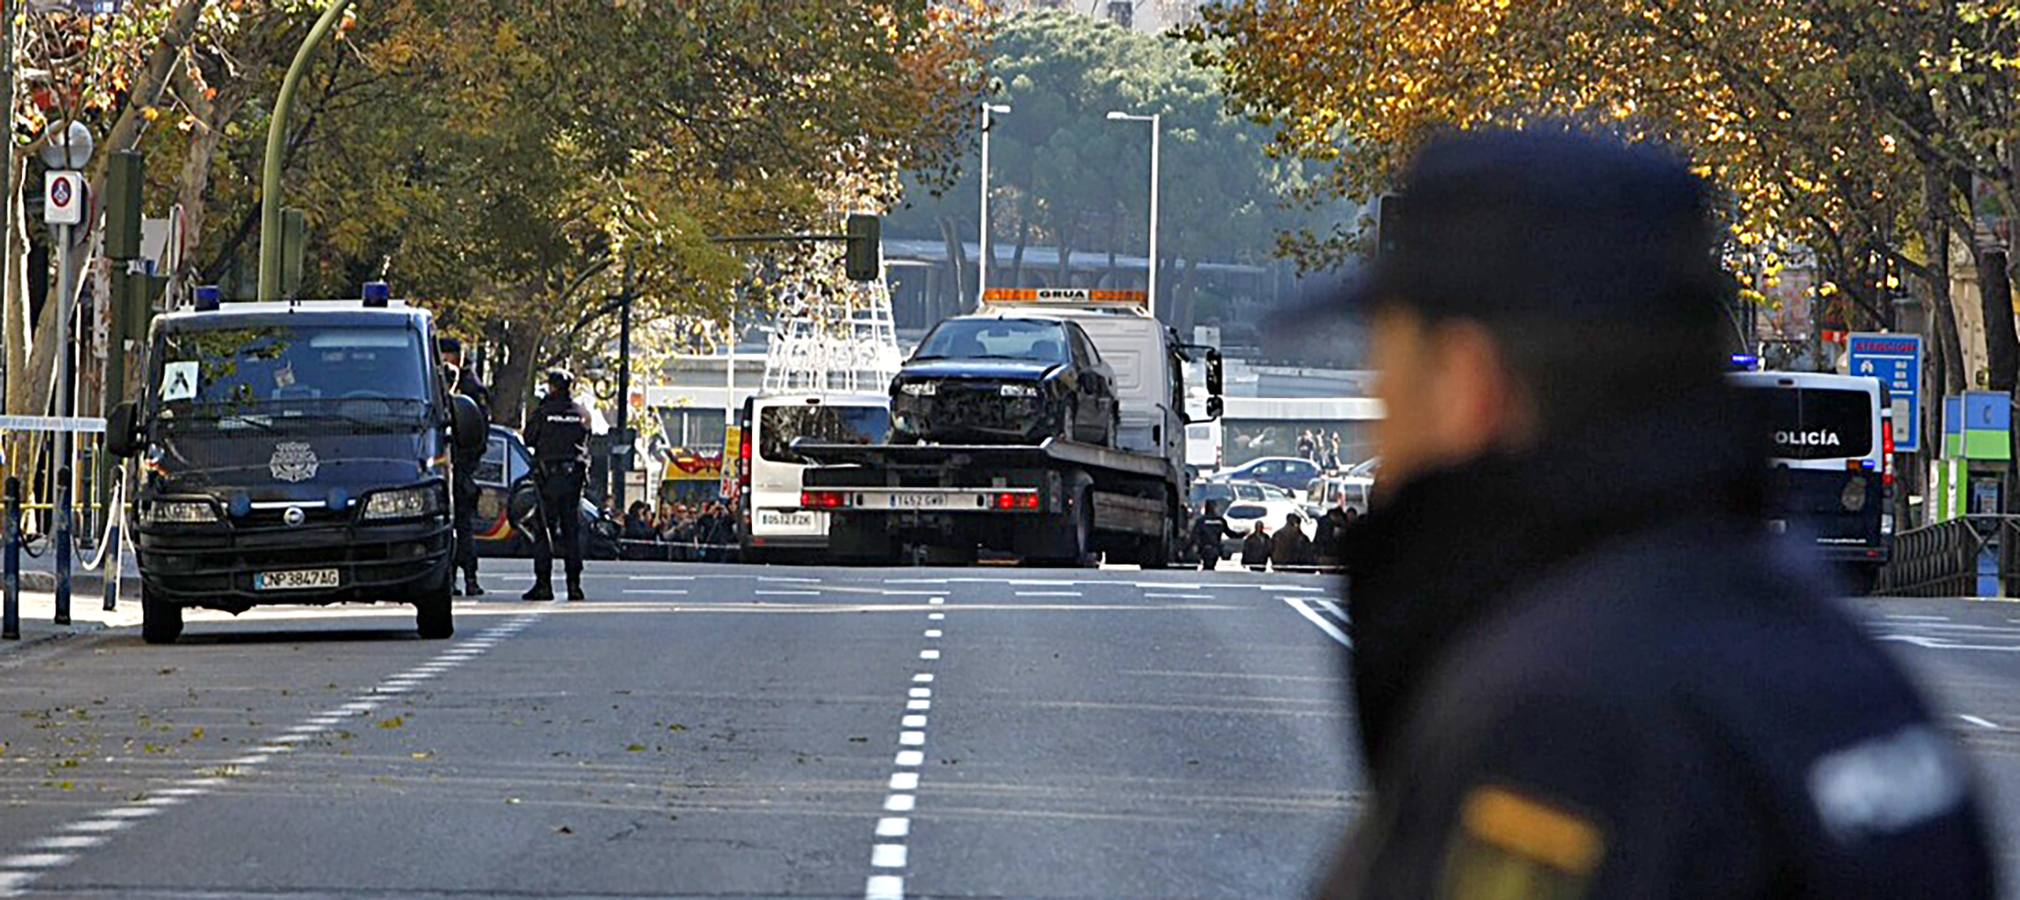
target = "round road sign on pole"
x: 63, y: 194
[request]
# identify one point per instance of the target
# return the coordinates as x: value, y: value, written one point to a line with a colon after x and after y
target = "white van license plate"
x: 297, y: 579
x: 776, y: 519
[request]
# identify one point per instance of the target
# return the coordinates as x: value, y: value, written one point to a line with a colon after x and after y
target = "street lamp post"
x: 1156, y: 121
x: 277, y: 130
x: 982, y: 264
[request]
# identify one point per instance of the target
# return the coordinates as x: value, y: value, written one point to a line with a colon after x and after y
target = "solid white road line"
x: 1329, y: 628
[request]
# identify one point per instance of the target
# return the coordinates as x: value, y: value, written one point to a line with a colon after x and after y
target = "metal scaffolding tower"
x: 832, y: 337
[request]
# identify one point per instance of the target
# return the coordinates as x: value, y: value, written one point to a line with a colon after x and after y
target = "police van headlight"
x: 178, y: 512
x: 406, y: 503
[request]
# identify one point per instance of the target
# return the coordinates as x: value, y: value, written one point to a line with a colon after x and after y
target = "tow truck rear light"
x: 1017, y: 502
x: 822, y: 500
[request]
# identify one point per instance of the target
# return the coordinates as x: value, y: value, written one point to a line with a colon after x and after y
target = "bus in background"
x: 773, y: 524
x: 1833, y: 466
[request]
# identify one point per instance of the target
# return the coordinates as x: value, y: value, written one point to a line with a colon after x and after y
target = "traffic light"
x: 125, y: 174
x: 864, y: 261
x: 1390, y: 210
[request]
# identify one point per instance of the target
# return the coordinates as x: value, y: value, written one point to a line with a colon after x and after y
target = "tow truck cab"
x: 293, y: 453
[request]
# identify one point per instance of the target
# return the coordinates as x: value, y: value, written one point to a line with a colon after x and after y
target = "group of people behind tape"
x: 703, y: 531
x: 1289, y: 549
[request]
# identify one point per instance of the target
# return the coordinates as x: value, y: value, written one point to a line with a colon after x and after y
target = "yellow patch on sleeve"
x: 1510, y: 847
x: 1532, y: 829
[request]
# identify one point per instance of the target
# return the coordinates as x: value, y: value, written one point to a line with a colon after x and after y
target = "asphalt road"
x: 700, y: 730
x: 727, y: 731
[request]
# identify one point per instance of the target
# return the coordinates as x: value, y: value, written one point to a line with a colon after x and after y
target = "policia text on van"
x: 293, y: 453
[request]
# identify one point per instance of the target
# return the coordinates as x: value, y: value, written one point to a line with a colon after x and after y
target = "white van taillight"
x: 1887, y: 453
x: 743, y: 462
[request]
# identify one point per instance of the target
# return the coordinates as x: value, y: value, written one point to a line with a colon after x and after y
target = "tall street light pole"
x: 989, y: 110
x: 277, y: 131
x: 1156, y: 121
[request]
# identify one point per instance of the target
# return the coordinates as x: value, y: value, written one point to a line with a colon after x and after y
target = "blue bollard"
x: 10, y: 619
x: 61, y: 537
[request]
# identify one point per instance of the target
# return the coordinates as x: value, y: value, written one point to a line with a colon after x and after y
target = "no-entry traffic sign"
x: 63, y: 197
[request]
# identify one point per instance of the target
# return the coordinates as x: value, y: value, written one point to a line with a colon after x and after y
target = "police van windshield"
x: 779, y: 426
x: 264, y: 376
x: 1817, y: 423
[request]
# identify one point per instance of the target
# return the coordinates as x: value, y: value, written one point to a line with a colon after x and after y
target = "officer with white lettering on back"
x: 558, y: 432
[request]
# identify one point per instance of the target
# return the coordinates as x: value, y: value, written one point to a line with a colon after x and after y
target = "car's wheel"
x: 160, y: 620
x: 434, y: 613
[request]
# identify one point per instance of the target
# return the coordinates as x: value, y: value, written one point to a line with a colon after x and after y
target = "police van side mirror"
x: 122, y: 435
x: 466, y: 425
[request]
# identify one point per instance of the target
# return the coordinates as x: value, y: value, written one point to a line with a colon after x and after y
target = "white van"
x: 1833, y: 463
x: 772, y: 522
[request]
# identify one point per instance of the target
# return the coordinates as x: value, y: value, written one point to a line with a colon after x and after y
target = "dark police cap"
x: 560, y: 378
x: 1547, y: 224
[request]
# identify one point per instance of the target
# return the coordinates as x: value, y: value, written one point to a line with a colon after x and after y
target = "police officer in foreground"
x: 558, y: 431
x: 1582, y: 667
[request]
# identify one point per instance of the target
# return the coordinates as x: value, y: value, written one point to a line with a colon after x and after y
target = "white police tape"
x: 81, y: 424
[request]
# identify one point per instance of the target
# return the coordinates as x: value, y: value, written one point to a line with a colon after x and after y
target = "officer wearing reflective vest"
x: 558, y: 432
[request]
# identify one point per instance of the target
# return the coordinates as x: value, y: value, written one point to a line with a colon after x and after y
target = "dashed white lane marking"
x: 1158, y: 596
x: 889, y: 857
x: 1048, y: 593
x: 19, y: 871
x: 1981, y: 723
x: 67, y: 842
x: 657, y: 592
x: 787, y: 593
x: 1912, y: 618
x: 1331, y: 630
x: 660, y: 577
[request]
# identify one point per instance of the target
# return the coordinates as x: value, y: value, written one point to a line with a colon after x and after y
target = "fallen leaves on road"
x: 394, y: 722
x: 423, y: 754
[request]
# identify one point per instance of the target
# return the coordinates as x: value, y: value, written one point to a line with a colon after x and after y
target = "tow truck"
x: 1057, y: 502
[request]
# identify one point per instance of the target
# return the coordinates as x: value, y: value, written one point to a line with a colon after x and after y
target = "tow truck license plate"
x: 907, y: 500
x: 296, y: 580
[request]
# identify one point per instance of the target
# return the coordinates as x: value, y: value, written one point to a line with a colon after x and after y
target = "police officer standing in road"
x: 558, y: 432
x: 1582, y: 666
x: 464, y: 382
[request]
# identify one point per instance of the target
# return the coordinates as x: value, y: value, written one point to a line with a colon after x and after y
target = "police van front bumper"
x: 219, y: 565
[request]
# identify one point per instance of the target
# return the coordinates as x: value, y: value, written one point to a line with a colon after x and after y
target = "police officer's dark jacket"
x: 1586, y: 672
x: 558, y: 430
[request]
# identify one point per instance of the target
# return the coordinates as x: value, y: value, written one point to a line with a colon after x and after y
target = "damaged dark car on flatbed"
x: 1005, y: 379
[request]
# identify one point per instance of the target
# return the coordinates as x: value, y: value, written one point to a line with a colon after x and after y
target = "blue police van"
x: 293, y: 453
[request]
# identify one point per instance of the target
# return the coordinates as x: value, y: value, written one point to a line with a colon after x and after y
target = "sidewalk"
x: 38, y: 613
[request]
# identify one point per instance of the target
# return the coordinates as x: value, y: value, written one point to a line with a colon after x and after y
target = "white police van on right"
x: 1833, y: 468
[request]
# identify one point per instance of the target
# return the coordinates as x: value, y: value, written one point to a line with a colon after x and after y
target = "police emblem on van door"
x: 293, y: 461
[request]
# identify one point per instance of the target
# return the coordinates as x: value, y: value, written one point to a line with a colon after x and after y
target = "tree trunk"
x: 1017, y: 257
x: 957, y: 262
x: 1936, y: 235
x: 16, y: 288
x: 2002, y: 343
x: 512, y: 377
x: 193, y: 187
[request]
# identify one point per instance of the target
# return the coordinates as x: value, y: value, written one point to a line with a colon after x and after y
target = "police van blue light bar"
x: 208, y: 297
x: 377, y: 293
x: 1745, y: 362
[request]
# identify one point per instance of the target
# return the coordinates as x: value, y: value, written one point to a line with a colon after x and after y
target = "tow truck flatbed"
x: 937, y: 456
